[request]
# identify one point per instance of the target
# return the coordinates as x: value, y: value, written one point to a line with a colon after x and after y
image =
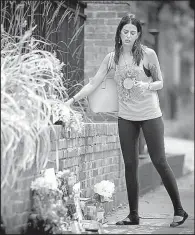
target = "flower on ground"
x: 105, y: 188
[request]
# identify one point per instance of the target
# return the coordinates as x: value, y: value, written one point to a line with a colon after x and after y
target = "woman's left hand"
x: 142, y: 85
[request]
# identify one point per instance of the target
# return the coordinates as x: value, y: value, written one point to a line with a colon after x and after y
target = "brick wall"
x: 94, y: 155
x: 102, y: 20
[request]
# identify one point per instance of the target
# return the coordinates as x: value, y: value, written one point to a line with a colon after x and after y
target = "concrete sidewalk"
x: 179, y: 146
x: 156, y: 212
x: 155, y: 206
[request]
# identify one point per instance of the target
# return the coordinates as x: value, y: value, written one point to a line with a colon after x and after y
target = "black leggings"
x: 153, y: 131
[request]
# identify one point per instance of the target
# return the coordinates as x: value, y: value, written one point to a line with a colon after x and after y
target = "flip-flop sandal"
x: 178, y: 220
x: 129, y: 220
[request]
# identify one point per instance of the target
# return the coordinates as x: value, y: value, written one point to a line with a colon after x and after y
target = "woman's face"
x: 129, y: 34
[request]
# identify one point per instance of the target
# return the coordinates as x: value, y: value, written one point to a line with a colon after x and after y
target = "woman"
x: 138, y: 77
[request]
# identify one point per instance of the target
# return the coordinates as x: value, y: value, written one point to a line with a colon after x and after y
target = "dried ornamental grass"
x: 32, y: 81
x: 25, y: 14
x: 28, y: 82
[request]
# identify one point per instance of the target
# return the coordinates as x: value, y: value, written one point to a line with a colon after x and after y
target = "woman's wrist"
x: 155, y: 86
x: 149, y: 86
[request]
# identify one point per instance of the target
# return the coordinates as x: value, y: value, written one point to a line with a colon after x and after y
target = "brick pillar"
x: 102, y: 20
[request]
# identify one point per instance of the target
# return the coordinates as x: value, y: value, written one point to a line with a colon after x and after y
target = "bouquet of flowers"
x: 66, y: 181
x: 104, y: 191
x: 48, y: 210
x: 62, y: 183
x: 53, y: 202
x: 72, y: 120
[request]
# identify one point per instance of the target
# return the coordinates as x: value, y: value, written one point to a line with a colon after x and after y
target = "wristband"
x: 149, y: 88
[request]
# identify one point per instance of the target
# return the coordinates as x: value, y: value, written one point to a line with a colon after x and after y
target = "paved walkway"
x: 156, y: 210
x: 174, y: 145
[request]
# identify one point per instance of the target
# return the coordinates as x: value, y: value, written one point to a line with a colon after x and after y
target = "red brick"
x: 73, y: 134
x: 96, y: 7
x: 72, y: 152
x: 50, y: 164
x: 114, y: 21
x: 105, y: 44
x: 89, y: 192
x: 121, y: 14
x: 94, y: 164
x: 89, y: 15
x: 55, y: 135
x: 95, y: 22
x: 82, y: 175
x: 118, y: 7
x: 54, y: 145
x: 52, y: 155
x: 60, y: 154
x: 84, y: 166
x: 90, y: 29
x: 62, y: 143
x: 92, y: 181
x: 67, y: 134
x: 91, y: 173
x: 95, y: 172
x: 83, y: 184
x: 65, y: 153
x: 106, y: 14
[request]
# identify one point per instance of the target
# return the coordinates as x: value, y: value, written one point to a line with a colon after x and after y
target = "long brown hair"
x: 137, y: 47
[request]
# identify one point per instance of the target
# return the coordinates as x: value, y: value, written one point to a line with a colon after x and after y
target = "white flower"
x: 63, y: 173
x: 105, y: 188
x: 41, y: 182
x: 44, y: 182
